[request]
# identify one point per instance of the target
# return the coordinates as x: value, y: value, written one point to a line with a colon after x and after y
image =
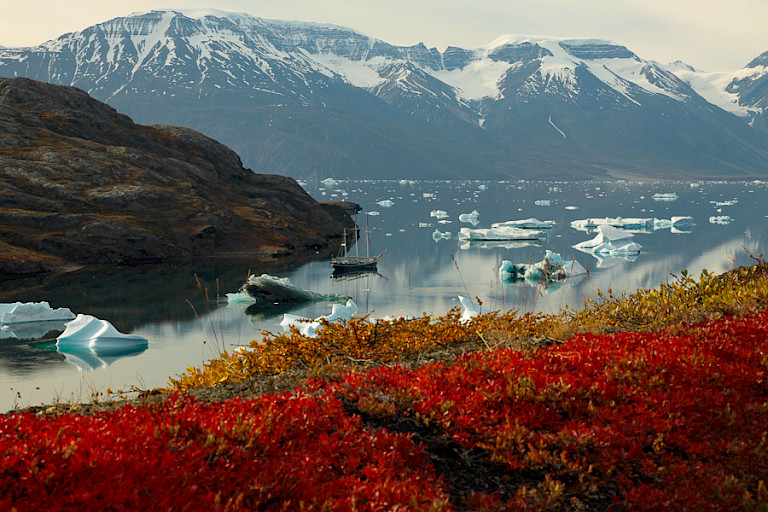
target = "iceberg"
x: 309, y: 328
x: 482, y: 187
x: 543, y: 202
x: 526, y: 224
x: 373, y: 213
x: 470, y: 218
x: 438, y: 214
x: 720, y: 219
x: 551, y: 268
x: 267, y: 289
x: 632, y: 223
x: 329, y: 182
x: 25, y: 312
x: 494, y: 244
x: 89, y: 332
x: 31, y: 330
x: 610, y: 241
x: 665, y: 196
x: 437, y: 235
x: 499, y: 233
x: 386, y: 203
x: 471, y: 309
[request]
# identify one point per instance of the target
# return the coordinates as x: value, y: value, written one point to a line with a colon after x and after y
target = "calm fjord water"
x: 417, y: 274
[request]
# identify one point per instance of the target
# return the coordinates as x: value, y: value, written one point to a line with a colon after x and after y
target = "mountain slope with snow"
x: 315, y: 99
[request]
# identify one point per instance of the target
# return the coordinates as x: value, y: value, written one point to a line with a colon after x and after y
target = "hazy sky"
x: 709, y: 34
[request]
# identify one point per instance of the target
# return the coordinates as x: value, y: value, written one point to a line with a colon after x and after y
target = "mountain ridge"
x: 309, y: 99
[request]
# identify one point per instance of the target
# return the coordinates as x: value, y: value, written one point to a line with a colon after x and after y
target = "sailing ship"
x: 346, y: 262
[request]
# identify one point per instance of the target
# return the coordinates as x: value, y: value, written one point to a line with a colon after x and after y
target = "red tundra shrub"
x: 627, y: 421
x: 274, y: 453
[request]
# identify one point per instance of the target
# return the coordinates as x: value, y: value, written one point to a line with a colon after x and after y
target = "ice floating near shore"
x: 309, y: 328
x: 437, y: 235
x: 470, y: 218
x: 665, y: 196
x: 499, y: 233
x: 633, y: 223
x: 720, y: 219
x: 26, y: 312
x: 329, y: 182
x: 438, y: 214
x: 525, y: 224
x: 269, y: 289
x: 610, y: 241
x: 471, y: 309
x: 89, y: 331
x: 551, y: 268
x: 386, y: 203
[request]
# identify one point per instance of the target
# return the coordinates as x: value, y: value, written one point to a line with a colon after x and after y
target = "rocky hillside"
x: 82, y: 184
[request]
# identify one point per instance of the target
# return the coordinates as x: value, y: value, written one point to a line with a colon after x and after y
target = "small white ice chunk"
x: 610, y: 241
x: 470, y: 218
x: 386, y: 203
x: 309, y: 328
x: 720, y: 219
x: 437, y: 235
x: 543, y: 202
x: 665, y: 196
x: 438, y: 214
x: 471, y: 309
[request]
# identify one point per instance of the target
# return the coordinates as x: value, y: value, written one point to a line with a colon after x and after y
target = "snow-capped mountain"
x: 304, y: 98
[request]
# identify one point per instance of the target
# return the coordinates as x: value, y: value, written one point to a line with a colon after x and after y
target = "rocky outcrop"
x: 82, y: 184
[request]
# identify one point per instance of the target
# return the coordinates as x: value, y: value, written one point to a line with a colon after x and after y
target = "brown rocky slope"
x: 82, y: 184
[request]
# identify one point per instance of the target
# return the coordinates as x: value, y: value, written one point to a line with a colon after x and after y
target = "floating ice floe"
x: 720, y: 219
x: 309, y: 328
x: 482, y: 187
x: 26, y: 312
x: 732, y: 202
x: 551, y: 268
x: 425, y: 224
x: 89, y: 331
x: 270, y: 290
x: 373, y: 213
x: 329, y: 182
x: 633, y: 223
x: 499, y: 233
x: 386, y: 203
x: 471, y: 309
x: 665, y: 196
x: 525, y: 224
x: 407, y: 182
x: 610, y: 241
x: 470, y: 218
x: 428, y: 195
x: 438, y: 214
x: 437, y: 235
x: 571, y: 207
x: 543, y: 202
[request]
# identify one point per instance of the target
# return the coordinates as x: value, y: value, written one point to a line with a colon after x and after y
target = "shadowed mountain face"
x: 313, y: 100
x: 82, y: 184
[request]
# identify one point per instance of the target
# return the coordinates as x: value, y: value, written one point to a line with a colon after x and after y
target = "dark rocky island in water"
x: 82, y: 184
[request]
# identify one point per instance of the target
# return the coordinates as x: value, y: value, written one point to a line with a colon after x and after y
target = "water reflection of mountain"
x: 130, y: 297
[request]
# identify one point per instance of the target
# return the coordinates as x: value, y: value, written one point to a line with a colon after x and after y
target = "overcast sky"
x: 713, y: 35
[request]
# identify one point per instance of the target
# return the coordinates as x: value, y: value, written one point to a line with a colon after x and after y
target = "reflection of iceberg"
x: 23, y: 312
x: 87, y: 331
x: 470, y: 218
x: 499, y: 233
x: 31, y: 330
x: 91, y: 358
x: 526, y: 224
x: 309, y: 328
x: 551, y: 268
x: 496, y: 244
x: 611, y: 261
x: 610, y: 241
x: 267, y: 289
x: 438, y: 235
x: 666, y: 196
